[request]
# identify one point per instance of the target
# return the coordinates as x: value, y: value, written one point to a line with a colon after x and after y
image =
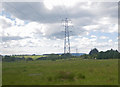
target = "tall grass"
x: 65, y: 72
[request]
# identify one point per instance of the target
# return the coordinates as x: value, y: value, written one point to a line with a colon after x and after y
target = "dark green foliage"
x: 81, y: 76
x: 85, y: 56
x: 12, y: 59
x: 62, y: 75
x: 42, y: 58
x: 53, y: 57
x: 93, y: 51
x: 9, y: 59
x: 0, y: 57
x: 29, y: 59
x: 94, y: 54
x: 50, y: 78
x: 67, y: 55
x: 109, y: 54
x: 19, y: 59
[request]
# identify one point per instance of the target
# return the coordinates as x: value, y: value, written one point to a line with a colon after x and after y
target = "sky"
x: 37, y: 27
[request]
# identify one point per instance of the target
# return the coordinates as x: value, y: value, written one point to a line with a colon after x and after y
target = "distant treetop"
x: 93, y: 51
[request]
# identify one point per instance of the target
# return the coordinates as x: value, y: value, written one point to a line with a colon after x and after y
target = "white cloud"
x: 32, y: 45
x: 103, y: 37
x: 110, y: 40
x: 87, y: 33
x: 5, y: 22
x: 23, y: 31
x: 104, y: 21
x: 19, y: 22
x: 84, y: 44
x: 91, y: 27
x: 44, y: 33
x: 93, y: 36
x: 50, y: 4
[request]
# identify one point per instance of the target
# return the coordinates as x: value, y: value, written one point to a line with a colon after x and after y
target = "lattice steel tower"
x: 66, y: 38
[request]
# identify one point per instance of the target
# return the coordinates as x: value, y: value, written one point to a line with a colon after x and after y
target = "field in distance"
x: 61, y: 72
x: 31, y: 56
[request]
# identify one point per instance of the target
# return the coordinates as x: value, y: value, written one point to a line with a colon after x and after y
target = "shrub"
x: 29, y: 59
x: 42, y: 58
x: 49, y: 78
x: 62, y: 75
x: 8, y: 59
x: 81, y: 76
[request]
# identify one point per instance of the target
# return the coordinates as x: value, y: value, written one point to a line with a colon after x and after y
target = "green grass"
x: 0, y: 73
x: 61, y: 72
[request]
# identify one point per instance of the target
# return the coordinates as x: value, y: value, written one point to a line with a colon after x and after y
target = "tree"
x: 8, y: 59
x: 53, y: 57
x: 29, y: 59
x: 109, y: 54
x: 93, y: 51
x: 67, y: 55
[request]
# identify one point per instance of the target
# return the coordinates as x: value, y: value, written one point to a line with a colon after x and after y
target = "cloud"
x: 10, y: 38
x: 93, y: 36
x: 86, y: 18
x: 5, y: 22
x: 110, y: 40
x: 37, y: 11
x: 44, y: 29
x: 82, y: 42
x: 103, y: 37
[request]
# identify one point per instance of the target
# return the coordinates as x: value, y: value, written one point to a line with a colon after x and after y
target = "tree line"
x: 52, y: 57
x: 93, y: 54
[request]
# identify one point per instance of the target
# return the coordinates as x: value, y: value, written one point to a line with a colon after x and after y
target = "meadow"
x: 61, y: 72
x: 0, y: 73
x: 34, y: 57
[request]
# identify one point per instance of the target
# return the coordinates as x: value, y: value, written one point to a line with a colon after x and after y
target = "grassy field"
x: 31, y: 56
x: 0, y: 73
x: 61, y: 72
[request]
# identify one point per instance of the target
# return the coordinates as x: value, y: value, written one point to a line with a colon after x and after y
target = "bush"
x: 42, y: 58
x: 49, y: 78
x: 29, y: 59
x: 53, y: 57
x: 8, y: 59
x: 62, y: 75
x: 81, y: 76
x: 65, y: 56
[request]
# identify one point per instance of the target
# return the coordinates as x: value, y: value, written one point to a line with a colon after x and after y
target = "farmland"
x: 74, y: 71
x: 31, y: 56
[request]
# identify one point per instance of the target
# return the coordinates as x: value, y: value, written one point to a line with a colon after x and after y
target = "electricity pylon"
x: 66, y: 38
